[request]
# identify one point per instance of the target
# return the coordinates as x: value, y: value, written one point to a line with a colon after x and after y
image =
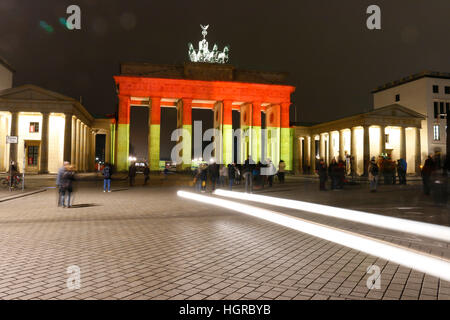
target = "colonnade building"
x: 51, y: 128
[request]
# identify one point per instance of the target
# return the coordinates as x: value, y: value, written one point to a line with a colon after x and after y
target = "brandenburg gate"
x: 207, y: 82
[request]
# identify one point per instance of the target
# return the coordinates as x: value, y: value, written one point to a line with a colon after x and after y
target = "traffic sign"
x: 12, y: 139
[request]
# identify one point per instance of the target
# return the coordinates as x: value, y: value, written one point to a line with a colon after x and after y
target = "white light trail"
x: 397, y: 224
x: 404, y: 256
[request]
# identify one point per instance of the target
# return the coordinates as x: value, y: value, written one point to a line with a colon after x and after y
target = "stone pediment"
x: 31, y: 92
x: 395, y: 110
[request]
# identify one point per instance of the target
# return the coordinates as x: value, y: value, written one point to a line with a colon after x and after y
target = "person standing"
x: 322, y: 172
x: 332, y: 173
x: 248, y: 176
x: 426, y: 172
x: 204, y: 176
x: 67, y: 180
x: 281, y: 171
x: 132, y: 174
x: 271, y: 172
x: 231, y: 175
x: 374, y: 172
x: 59, y: 177
x: 147, y: 174
x: 401, y: 170
x: 223, y: 175
x: 107, y: 173
x: 214, y: 174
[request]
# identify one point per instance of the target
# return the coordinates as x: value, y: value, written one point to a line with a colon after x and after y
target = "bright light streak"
x: 404, y: 256
x: 397, y: 224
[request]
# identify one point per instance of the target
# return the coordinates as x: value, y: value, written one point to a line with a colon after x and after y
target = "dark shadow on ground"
x: 84, y: 205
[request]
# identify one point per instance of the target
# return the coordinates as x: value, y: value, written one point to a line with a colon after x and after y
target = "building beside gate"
x: 51, y: 128
x: 392, y: 130
x: 408, y: 120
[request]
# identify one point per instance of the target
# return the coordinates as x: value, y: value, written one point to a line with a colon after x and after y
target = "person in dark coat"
x: 132, y: 174
x: 322, y: 172
x: 67, y: 180
x: 401, y: 170
x: 426, y: 173
x: 333, y: 173
x: 231, y: 175
x: 147, y: 174
x: 107, y: 173
x: 213, y: 171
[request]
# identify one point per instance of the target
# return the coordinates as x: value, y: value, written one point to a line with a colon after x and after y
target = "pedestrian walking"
x: 67, y: 179
x: 59, y: 178
x: 426, y: 172
x: 374, y: 173
x: 147, y: 174
x: 107, y: 173
x: 132, y: 174
x: 322, y: 172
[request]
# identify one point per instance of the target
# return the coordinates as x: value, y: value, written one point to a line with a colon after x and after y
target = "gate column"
x: 227, y: 133
x: 286, y: 139
x: 123, y: 134
x: 154, y: 134
x: 184, y: 121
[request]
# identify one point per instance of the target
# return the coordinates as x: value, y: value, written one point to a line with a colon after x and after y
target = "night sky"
x: 333, y: 59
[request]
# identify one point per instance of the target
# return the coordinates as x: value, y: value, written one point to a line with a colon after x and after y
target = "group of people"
x: 338, y: 169
x: 250, y: 173
x: 387, y: 168
x: 132, y: 171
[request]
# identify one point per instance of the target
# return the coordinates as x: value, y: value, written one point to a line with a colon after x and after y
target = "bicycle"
x: 16, y: 182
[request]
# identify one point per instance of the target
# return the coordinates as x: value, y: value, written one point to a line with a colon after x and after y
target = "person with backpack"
x: 107, y: 173
x: 373, y: 174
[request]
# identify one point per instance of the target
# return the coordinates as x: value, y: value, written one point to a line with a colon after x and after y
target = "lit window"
x: 34, y: 127
x: 436, y: 133
x: 435, y: 89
